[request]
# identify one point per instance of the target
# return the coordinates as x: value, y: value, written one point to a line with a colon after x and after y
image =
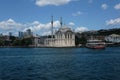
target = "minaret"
x: 61, y: 21
x: 52, y: 27
x: 52, y: 31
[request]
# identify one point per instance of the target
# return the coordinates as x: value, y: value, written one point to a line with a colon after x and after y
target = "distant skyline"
x: 80, y: 15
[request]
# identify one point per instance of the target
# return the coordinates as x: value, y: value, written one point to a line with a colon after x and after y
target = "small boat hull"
x: 95, y: 44
x: 96, y: 47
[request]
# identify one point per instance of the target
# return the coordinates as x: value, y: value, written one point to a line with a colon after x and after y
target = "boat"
x: 95, y: 44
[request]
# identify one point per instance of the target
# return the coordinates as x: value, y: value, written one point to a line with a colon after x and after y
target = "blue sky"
x: 80, y: 15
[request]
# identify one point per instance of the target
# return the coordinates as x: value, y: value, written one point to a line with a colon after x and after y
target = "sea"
x: 59, y: 64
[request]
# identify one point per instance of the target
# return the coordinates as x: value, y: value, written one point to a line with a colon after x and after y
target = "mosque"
x: 64, y: 37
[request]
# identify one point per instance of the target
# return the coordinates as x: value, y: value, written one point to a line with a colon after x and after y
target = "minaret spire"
x: 61, y: 21
x: 52, y: 26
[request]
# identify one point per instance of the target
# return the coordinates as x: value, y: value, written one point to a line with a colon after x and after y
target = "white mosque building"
x: 64, y: 37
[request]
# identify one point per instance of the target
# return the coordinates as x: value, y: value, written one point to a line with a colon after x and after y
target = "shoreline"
x: 36, y: 47
x: 52, y: 47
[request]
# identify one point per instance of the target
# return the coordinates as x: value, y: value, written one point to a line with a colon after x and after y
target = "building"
x: 20, y: 34
x: 10, y: 33
x: 36, y: 41
x: 28, y: 33
x: 64, y: 37
x: 5, y: 38
x: 114, y: 38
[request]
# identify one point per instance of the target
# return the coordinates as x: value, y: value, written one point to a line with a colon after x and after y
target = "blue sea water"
x: 59, y: 64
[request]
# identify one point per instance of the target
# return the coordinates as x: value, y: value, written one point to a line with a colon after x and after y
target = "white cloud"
x: 113, y: 22
x: 43, y: 28
x: 71, y: 24
x: 77, y: 13
x: 46, y: 33
x: 56, y: 26
x: 37, y: 27
x: 10, y: 25
x: 104, y: 6
x: 117, y: 6
x: 51, y: 2
x: 81, y: 29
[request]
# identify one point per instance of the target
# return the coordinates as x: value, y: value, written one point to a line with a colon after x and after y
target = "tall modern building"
x: 28, y: 33
x: 10, y: 33
x: 20, y: 34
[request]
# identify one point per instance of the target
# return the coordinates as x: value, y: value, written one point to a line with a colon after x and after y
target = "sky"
x: 80, y: 15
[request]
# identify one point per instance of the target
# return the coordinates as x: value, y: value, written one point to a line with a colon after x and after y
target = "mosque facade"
x: 64, y: 37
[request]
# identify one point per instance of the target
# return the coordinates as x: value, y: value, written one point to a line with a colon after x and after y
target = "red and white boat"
x: 95, y: 44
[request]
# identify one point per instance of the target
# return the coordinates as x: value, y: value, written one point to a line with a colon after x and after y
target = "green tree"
x: 80, y: 40
x: 17, y: 42
x: 1, y: 42
x: 26, y: 41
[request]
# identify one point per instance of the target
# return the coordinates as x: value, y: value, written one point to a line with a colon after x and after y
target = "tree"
x: 26, y: 41
x: 1, y: 43
x: 22, y: 42
x: 80, y: 39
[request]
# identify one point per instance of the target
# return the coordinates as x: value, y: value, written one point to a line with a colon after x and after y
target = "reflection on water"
x: 59, y: 64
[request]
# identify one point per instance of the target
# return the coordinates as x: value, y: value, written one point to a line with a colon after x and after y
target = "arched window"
x: 65, y: 36
x: 61, y: 36
x: 69, y: 35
